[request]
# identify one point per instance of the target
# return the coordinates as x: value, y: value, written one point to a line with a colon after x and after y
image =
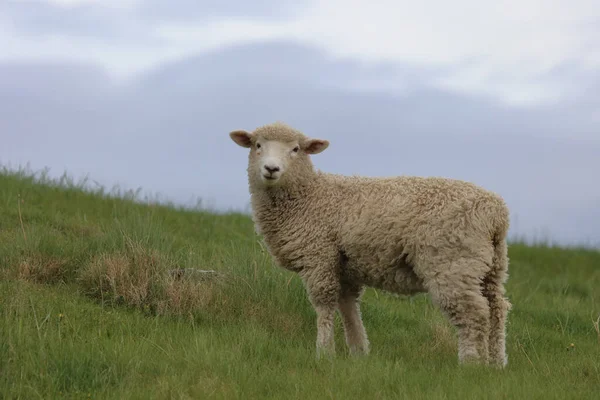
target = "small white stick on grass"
x: 597, y: 327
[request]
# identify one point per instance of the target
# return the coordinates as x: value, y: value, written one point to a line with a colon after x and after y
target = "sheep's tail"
x: 498, y: 274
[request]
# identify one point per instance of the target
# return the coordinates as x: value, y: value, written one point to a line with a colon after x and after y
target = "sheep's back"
x: 390, y: 221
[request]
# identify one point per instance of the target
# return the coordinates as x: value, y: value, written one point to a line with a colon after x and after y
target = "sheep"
x: 404, y: 235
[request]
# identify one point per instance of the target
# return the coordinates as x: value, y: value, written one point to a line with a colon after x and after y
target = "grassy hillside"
x: 90, y: 310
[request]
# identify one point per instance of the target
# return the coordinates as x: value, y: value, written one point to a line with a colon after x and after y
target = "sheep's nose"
x: 271, y: 169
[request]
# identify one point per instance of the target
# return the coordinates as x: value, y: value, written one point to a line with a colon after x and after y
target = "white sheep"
x: 403, y: 234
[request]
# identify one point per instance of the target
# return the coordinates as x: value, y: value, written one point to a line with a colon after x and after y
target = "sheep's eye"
x: 296, y: 149
x: 258, y: 145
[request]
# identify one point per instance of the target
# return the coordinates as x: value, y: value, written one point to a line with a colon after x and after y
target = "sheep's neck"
x: 278, y: 197
x: 273, y: 206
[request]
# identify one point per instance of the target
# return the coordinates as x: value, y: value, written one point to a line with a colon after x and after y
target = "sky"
x: 143, y: 93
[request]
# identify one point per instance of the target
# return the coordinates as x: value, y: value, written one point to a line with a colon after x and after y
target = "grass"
x: 90, y: 309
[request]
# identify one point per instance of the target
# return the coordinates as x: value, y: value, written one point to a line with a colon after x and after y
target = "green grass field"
x: 89, y: 310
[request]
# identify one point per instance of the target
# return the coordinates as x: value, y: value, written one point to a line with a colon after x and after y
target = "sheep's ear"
x: 242, y: 138
x: 315, y: 146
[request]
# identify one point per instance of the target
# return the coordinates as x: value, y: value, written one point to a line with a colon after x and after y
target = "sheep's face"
x: 272, y: 160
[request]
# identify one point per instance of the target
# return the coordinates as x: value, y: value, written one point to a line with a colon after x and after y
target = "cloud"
x: 202, y: 10
x: 506, y: 51
x: 87, y: 21
x: 127, y: 38
x: 123, y: 4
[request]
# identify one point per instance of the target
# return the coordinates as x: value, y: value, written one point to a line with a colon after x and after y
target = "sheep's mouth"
x: 270, y: 177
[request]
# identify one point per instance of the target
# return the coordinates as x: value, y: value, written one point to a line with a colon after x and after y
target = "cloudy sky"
x: 143, y: 93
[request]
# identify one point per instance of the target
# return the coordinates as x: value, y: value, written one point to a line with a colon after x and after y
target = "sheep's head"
x: 278, y: 153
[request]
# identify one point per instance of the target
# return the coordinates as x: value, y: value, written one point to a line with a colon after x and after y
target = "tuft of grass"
x: 141, y: 278
x: 41, y: 269
x: 105, y: 296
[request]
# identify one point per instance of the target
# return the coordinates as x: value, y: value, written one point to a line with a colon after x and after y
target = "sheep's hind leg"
x: 349, y: 306
x: 493, y: 290
x: 456, y: 288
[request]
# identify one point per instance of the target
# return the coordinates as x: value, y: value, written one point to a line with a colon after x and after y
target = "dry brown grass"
x: 140, y: 277
x: 41, y: 269
x: 185, y: 295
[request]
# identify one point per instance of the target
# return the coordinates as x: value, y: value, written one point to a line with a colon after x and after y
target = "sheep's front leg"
x: 325, y: 331
x: 323, y: 289
x: 356, y: 335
